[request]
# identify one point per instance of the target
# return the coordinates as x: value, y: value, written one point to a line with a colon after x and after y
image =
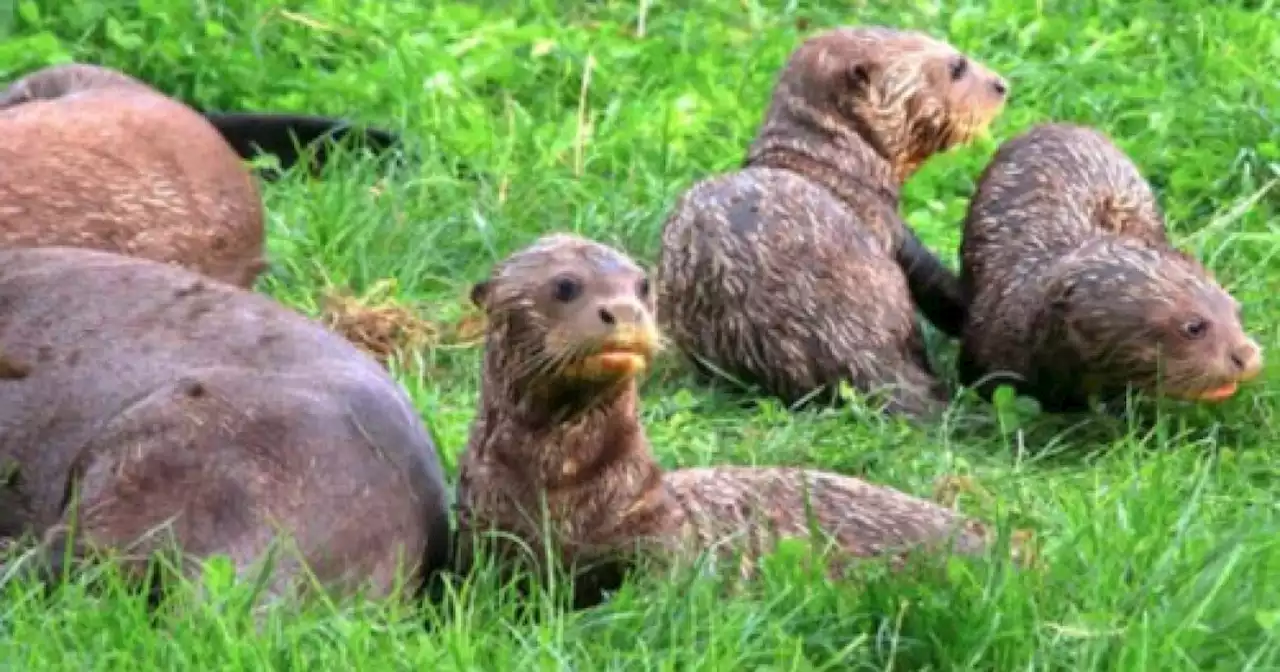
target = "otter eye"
x: 643, y: 288
x: 1195, y: 328
x: 959, y: 68
x: 567, y: 289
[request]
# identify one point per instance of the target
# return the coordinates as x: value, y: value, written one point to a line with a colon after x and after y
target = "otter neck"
x: 840, y: 160
x: 559, y: 435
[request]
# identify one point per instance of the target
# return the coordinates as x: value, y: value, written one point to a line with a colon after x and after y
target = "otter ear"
x: 1061, y: 317
x: 1195, y: 262
x: 480, y: 293
x: 1060, y: 296
x: 859, y: 75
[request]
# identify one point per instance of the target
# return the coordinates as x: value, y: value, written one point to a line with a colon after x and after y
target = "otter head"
x: 1155, y: 319
x: 903, y: 92
x: 569, y: 315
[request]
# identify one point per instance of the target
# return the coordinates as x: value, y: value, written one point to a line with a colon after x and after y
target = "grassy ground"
x: 1159, y: 537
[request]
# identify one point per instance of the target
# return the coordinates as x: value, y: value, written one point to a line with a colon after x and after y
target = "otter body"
x: 1075, y: 289
x: 774, y: 305
x: 152, y: 395
x: 90, y: 157
x: 797, y: 271
x: 571, y: 326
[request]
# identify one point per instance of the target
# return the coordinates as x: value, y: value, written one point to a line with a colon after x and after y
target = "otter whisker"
x: 539, y: 363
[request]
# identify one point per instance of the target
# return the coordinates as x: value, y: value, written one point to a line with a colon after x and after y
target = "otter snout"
x: 626, y: 323
x: 1246, y: 360
x: 623, y: 314
x: 623, y: 338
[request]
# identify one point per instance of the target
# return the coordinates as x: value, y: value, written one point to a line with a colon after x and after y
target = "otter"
x: 797, y: 271
x: 93, y: 157
x: 1076, y: 291
x: 570, y: 329
x: 150, y: 404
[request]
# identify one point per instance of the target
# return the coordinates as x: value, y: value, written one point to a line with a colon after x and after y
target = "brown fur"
x: 547, y: 429
x: 160, y: 399
x: 1076, y: 289
x: 797, y: 271
x: 90, y: 157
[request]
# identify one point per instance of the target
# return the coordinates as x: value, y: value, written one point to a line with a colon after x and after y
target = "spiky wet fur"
x: 797, y: 271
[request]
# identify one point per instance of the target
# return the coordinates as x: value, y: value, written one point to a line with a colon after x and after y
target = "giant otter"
x: 570, y: 327
x: 797, y: 271
x: 1076, y: 291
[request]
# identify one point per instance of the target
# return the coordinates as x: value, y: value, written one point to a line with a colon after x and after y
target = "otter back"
x: 154, y: 394
x: 125, y: 169
x: 1047, y: 191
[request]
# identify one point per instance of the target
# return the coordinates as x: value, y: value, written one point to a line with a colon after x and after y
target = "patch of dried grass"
x: 384, y: 327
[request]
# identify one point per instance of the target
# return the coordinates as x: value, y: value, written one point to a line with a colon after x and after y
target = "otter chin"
x: 1243, y: 364
x: 626, y: 353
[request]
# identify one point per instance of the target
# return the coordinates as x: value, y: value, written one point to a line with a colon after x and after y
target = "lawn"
x: 1158, y: 533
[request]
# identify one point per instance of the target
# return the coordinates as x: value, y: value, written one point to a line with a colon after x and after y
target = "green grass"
x: 1159, y: 539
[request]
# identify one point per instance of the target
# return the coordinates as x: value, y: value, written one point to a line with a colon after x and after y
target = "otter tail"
x: 288, y: 136
x: 935, y: 289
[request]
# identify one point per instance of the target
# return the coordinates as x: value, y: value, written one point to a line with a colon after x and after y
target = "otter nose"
x: 1247, y: 359
x: 1000, y: 86
x: 621, y: 313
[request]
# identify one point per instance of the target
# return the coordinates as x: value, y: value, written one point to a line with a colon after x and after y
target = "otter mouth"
x: 617, y: 363
x: 1219, y: 393
x: 620, y: 357
x: 1212, y: 394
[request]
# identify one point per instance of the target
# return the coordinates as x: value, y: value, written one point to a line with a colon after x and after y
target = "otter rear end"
x: 1076, y: 291
x: 158, y: 406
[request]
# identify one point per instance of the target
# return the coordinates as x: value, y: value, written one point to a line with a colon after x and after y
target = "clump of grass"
x: 376, y: 322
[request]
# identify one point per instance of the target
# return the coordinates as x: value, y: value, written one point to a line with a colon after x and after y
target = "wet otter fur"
x: 570, y: 328
x: 92, y: 157
x: 1076, y: 291
x: 797, y: 271
x: 156, y: 405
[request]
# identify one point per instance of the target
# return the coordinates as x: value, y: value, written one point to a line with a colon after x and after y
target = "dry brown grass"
x: 384, y: 327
